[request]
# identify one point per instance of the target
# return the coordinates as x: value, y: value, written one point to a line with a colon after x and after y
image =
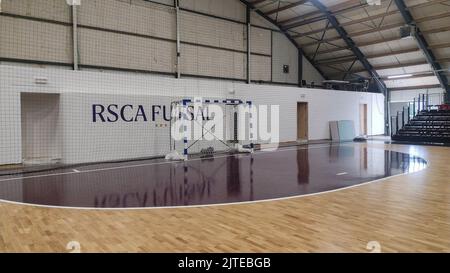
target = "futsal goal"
x: 210, y: 126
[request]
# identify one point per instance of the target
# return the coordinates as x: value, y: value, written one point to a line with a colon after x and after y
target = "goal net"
x: 206, y: 127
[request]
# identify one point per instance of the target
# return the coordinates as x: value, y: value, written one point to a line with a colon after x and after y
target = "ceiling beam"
x: 366, y: 19
x: 354, y: 34
x: 256, y: 2
x: 288, y: 36
x: 289, y: 6
x: 339, y: 8
x: 430, y: 31
x: 341, y: 59
x: 387, y: 27
x: 383, y: 67
x: 319, y: 18
x: 391, y: 66
x: 359, y: 45
x: 437, y: 30
x: 423, y: 45
x: 373, y: 56
x: 352, y: 46
x: 437, y: 46
x: 353, y: 22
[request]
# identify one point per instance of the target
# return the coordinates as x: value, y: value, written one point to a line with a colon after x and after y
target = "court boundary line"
x: 427, y: 165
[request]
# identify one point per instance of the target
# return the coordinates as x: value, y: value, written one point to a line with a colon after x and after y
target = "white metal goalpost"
x: 208, y: 126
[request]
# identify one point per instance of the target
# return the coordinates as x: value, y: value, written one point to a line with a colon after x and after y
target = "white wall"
x: 284, y: 53
x: 436, y: 95
x: 84, y: 141
x: 141, y: 35
x: 310, y: 74
x: 41, y: 128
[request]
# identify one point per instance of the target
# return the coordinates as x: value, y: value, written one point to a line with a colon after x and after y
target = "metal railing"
x: 402, y: 118
x: 424, y: 102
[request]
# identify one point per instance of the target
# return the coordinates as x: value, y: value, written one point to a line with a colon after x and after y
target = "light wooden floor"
x: 404, y: 214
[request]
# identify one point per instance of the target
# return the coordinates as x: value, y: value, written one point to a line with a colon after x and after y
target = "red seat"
x: 444, y: 107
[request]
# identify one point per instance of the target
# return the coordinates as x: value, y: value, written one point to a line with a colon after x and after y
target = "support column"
x: 74, y: 4
x: 177, y: 16
x: 75, y: 37
x: 300, y: 68
x: 249, y: 54
x: 387, y: 113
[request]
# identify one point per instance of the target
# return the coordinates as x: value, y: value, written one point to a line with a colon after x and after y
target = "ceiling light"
x: 400, y: 76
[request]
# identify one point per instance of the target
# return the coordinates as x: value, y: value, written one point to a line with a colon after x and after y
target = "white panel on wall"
x: 57, y: 10
x: 284, y: 53
x: 128, y: 139
x: 430, y: 80
x: 32, y: 40
x: 101, y: 48
x: 436, y: 94
x: 10, y: 129
x: 231, y: 9
x: 40, y: 118
x: 211, y: 62
x: 136, y: 17
x: 210, y: 31
x: 260, y: 41
x: 260, y: 68
x: 310, y: 73
x: 257, y: 20
x: 80, y: 89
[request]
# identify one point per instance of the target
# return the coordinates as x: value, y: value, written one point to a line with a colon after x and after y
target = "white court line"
x: 427, y: 165
x: 158, y: 163
x: 341, y: 174
x: 220, y: 204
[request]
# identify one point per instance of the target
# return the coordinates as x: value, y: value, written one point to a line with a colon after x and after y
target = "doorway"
x: 363, y: 120
x: 41, y: 129
x: 302, y: 121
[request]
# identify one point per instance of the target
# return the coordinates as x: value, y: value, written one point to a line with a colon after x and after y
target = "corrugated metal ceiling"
x: 375, y: 29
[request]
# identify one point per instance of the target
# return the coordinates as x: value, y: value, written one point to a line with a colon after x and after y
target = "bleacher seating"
x: 428, y: 126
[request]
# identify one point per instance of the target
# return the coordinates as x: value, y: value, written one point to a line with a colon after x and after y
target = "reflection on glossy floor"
x: 227, y: 179
x: 408, y: 213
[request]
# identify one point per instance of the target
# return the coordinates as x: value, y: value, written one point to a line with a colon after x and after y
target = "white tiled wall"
x: 136, y: 17
x: 51, y: 42
x: 84, y: 141
x: 310, y: 74
x: 260, y: 68
x: 206, y: 30
x: 260, y: 41
x: 232, y: 9
x: 57, y: 10
x: 261, y: 22
x: 212, y: 62
x: 103, y: 48
x: 284, y: 53
x: 32, y: 40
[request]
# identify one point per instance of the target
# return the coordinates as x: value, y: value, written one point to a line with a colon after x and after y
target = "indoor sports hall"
x: 224, y: 126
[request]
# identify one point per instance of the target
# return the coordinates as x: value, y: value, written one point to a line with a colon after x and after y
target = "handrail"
x: 419, y: 104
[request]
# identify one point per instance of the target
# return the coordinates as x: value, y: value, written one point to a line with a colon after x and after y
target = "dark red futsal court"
x: 223, y: 179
